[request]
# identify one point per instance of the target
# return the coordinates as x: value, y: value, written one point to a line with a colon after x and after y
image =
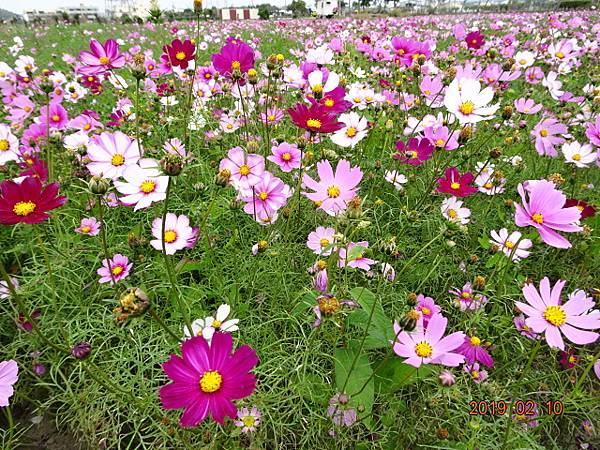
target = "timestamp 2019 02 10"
x: 520, y: 407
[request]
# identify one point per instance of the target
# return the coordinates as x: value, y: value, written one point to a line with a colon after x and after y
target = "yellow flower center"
x: 56, y: 118
x: 24, y: 208
x: 455, y: 185
x: 317, y: 88
x: 357, y: 99
x: 543, y: 133
x: 467, y: 107
x: 328, y: 305
x: 555, y: 315
x: 148, y: 186
x: 560, y: 55
x: 248, y: 421
x: 351, y: 132
x: 333, y: 191
x: 86, y: 229
x: 425, y: 310
x: 313, y: 123
x: 104, y: 60
x: 4, y: 145
x: 329, y: 102
x: 423, y: 349
x: 229, y: 126
x: 475, y: 374
x: 465, y: 294
x: 116, y: 270
x: 410, y: 154
x: 324, y: 242
x: 488, y: 185
x: 271, y: 118
x: 439, y: 142
x: 522, y: 62
x: 475, y: 341
x: 321, y: 264
x: 170, y: 236
x: 235, y: 65
x: 537, y: 217
x: 509, y: 244
x: 452, y: 213
x: 263, y: 195
x: 216, y: 323
x: 27, y: 108
x: 576, y: 157
x: 211, y: 382
x: 286, y: 156
x: 117, y: 160
x: 244, y: 170
x: 180, y: 56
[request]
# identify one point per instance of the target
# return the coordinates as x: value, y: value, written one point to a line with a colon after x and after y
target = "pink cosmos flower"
x: 143, y: 184
x: 534, y: 75
x: 102, y: 58
x: 272, y: 116
x: 233, y: 56
x: 523, y: 328
x: 248, y: 419
x: 360, y: 261
x: 119, y: 265
x: 9, y: 371
x: 427, y: 346
x: 89, y: 226
x: 55, y: 115
x: 426, y: 308
x: 414, y: 151
x: 465, y: 299
x: 477, y: 373
x: 111, y: 153
x: 268, y: 195
x: 456, y: 184
x: 242, y: 169
x: 332, y: 191
x: 321, y: 240
x: 286, y: 156
x: 20, y: 108
x: 546, y: 134
x: 178, y: 233
x: 544, y: 210
x: 527, y: 106
x: 207, y: 379
x: 593, y: 132
x: 473, y: 351
x: 441, y: 138
x: 547, y: 315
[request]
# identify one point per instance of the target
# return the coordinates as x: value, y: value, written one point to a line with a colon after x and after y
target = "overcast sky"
x: 19, y: 6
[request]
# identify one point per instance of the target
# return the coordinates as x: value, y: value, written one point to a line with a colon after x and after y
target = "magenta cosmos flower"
x: 207, y: 379
x: 101, y: 58
x: 180, y: 53
x: 55, y: 116
x: 592, y: 132
x: 414, y: 151
x: 28, y: 202
x: 332, y: 191
x: 267, y: 196
x: 456, y: 184
x: 286, y: 156
x: 545, y: 210
x: 426, y: 308
x: 317, y: 118
x: 547, y: 315
x: 473, y: 351
x: 428, y: 346
x: 474, y: 40
x: 9, y: 375
x: 233, y: 56
x: 119, y: 265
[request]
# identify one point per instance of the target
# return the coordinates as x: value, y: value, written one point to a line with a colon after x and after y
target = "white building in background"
x: 326, y: 8
x: 131, y: 8
x: 239, y: 14
x: 81, y: 11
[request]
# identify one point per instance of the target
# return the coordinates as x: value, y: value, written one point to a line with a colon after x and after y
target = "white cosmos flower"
x: 453, y: 211
x: 468, y: 102
x: 321, y: 55
x: 315, y: 80
x: 506, y: 243
x: 353, y: 132
x: 208, y: 326
x: 397, y: 179
x: 524, y: 59
x: 580, y: 155
x: 553, y: 84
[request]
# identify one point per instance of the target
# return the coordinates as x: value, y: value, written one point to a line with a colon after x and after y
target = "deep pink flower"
x: 545, y: 210
x: 414, y: 152
x: 473, y: 351
x: 474, y: 40
x: 317, y: 118
x: 56, y: 115
x: 286, y: 156
x: 547, y: 315
x: 593, y: 132
x: 207, y: 379
x: 233, y: 56
x: 456, y: 184
x: 267, y: 196
x: 426, y: 308
x: 120, y: 267
x: 242, y: 169
x: 101, y: 58
x: 28, y: 202
x: 180, y: 53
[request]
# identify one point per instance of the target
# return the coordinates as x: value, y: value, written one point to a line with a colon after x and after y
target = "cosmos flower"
x: 453, y: 210
x: 466, y: 300
x: 523, y: 328
x: 456, y: 184
x: 527, y: 106
x: 179, y: 53
x: 397, y: 179
x: 354, y: 130
x: 89, y: 226
x: 9, y: 145
x: 102, y: 58
x: 546, y: 314
x: 428, y: 346
x: 511, y: 245
x: 474, y: 351
x: 210, y: 325
x: 320, y: 87
x: 579, y: 155
x: 242, y: 169
x: 55, y: 116
x: 143, y: 184
x: 568, y: 359
x: 207, y: 379
x: 111, y: 153
x: 9, y: 375
x: 286, y: 156
x: 4, y: 290
x: 359, y: 261
x: 341, y: 413
x: 468, y: 102
x: 477, y: 373
x: 248, y: 419
x: 426, y: 308
x: 177, y: 236
x: 414, y: 151
x: 267, y: 196
x: 586, y: 209
x: 333, y: 191
x: 321, y: 241
x: 118, y: 265
x: 592, y: 132
x: 316, y: 118
x: 474, y: 40
x: 28, y: 201
x: 544, y: 208
x: 328, y: 305
x: 232, y: 57
x: 547, y: 136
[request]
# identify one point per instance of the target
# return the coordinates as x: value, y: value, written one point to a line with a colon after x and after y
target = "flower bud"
x: 98, y: 185
x: 222, y: 178
x: 197, y: 6
x: 133, y: 302
x: 465, y: 134
x: 447, y: 378
x: 409, y: 321
x: 81, y: 350
x: 507, y: 112
x: 171, y: 164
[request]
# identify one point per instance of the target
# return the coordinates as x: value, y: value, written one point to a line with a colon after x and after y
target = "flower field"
x: 349, y: 233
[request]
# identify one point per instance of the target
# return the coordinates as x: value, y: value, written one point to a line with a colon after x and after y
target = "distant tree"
x: 64, y: 16
x: 263, y: 12
x: 298, y: 8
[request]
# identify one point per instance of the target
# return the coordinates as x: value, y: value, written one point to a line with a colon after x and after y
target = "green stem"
x: 103, y: 238
x: 164, y: 325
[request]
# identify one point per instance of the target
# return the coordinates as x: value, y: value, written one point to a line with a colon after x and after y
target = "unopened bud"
x: 171, y: 164
x: 98, y: 185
